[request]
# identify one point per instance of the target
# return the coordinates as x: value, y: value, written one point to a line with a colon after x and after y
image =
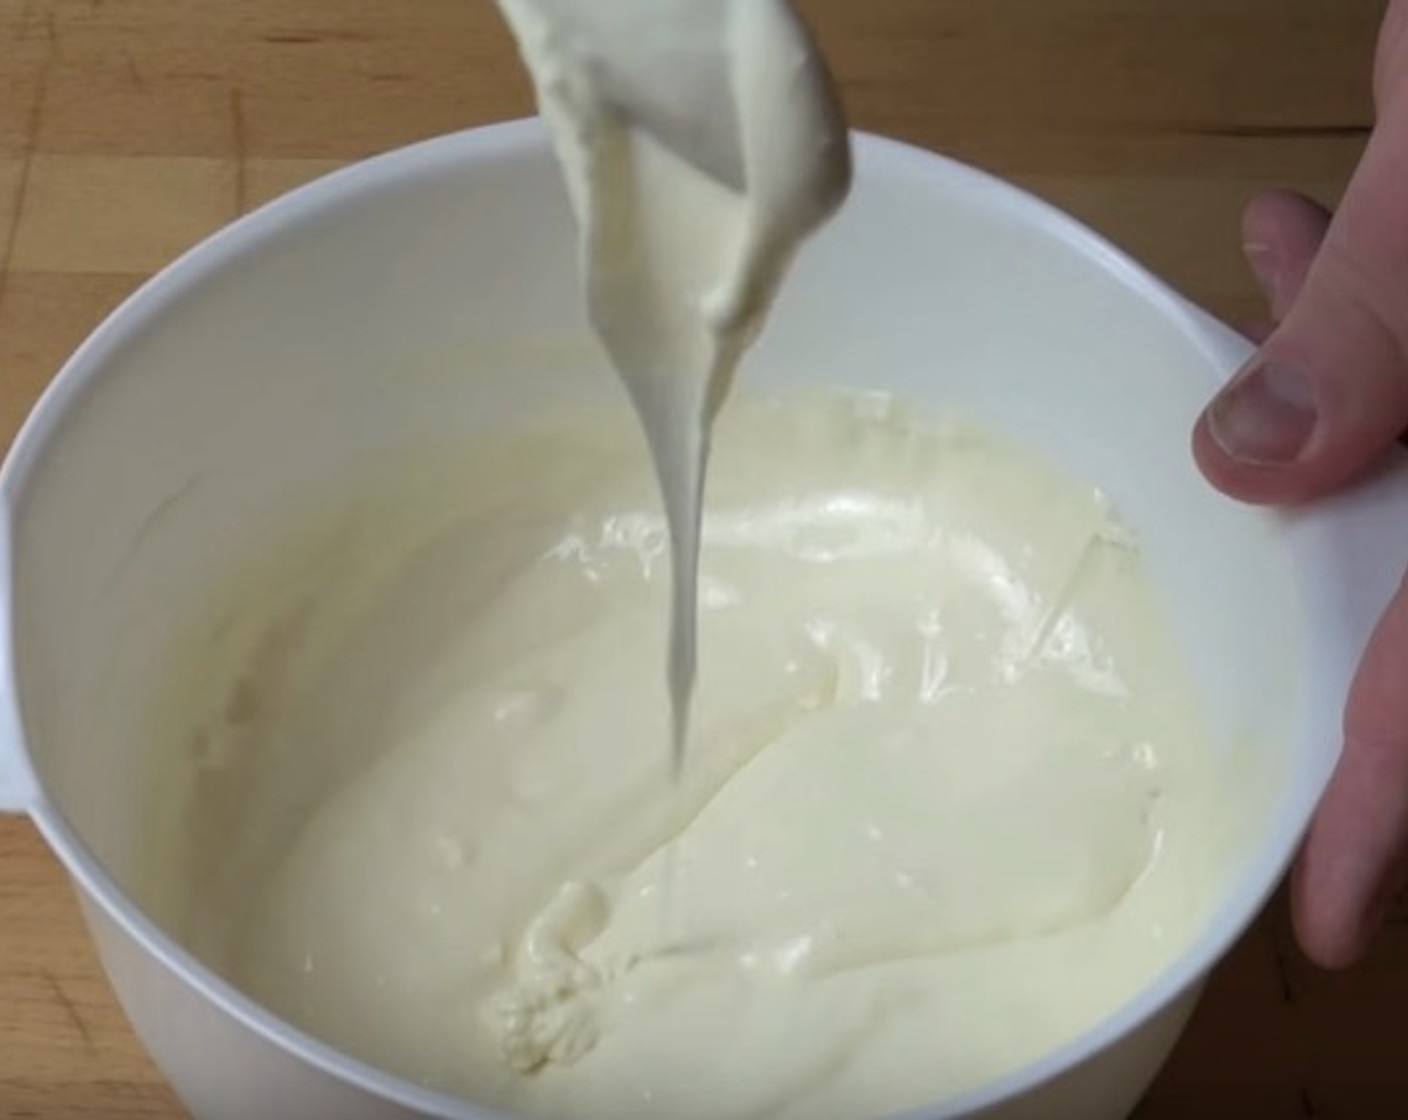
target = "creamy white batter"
x: 948, y: 800
x: 701, y: 142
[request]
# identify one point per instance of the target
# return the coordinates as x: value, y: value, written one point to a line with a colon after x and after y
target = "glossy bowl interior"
x: 387, y: 305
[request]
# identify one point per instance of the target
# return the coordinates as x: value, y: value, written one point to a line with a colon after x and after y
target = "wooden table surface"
x: 131, y: 128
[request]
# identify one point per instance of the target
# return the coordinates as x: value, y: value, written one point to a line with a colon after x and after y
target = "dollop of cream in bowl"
x: 948, y: 799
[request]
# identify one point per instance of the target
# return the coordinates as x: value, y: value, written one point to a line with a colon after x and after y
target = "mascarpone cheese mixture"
x: 947, y: 802
x: 946, y: 799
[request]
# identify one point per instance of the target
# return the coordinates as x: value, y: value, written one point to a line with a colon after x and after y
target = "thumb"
x: 1327, y: 392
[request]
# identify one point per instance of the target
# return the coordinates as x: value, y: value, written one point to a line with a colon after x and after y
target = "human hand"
x: 1322, y: 400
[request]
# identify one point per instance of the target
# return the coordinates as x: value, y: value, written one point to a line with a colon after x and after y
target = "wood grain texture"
x: 131, y: 128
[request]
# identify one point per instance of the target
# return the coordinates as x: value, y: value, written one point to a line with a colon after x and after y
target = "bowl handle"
x: 1369, y: 526
x: 16, y: 785
x: 19, y: 791
x: 1368, y: 521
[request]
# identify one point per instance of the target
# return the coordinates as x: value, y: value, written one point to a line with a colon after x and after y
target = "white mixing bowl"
x: 381, y: 305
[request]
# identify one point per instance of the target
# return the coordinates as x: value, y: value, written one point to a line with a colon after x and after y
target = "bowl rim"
x: 448, y: 154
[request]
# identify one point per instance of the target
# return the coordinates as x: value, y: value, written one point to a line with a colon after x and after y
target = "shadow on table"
x: 1278, y: 1037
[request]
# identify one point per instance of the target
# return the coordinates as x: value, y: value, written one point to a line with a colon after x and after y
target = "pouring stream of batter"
x: 701, y: 142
